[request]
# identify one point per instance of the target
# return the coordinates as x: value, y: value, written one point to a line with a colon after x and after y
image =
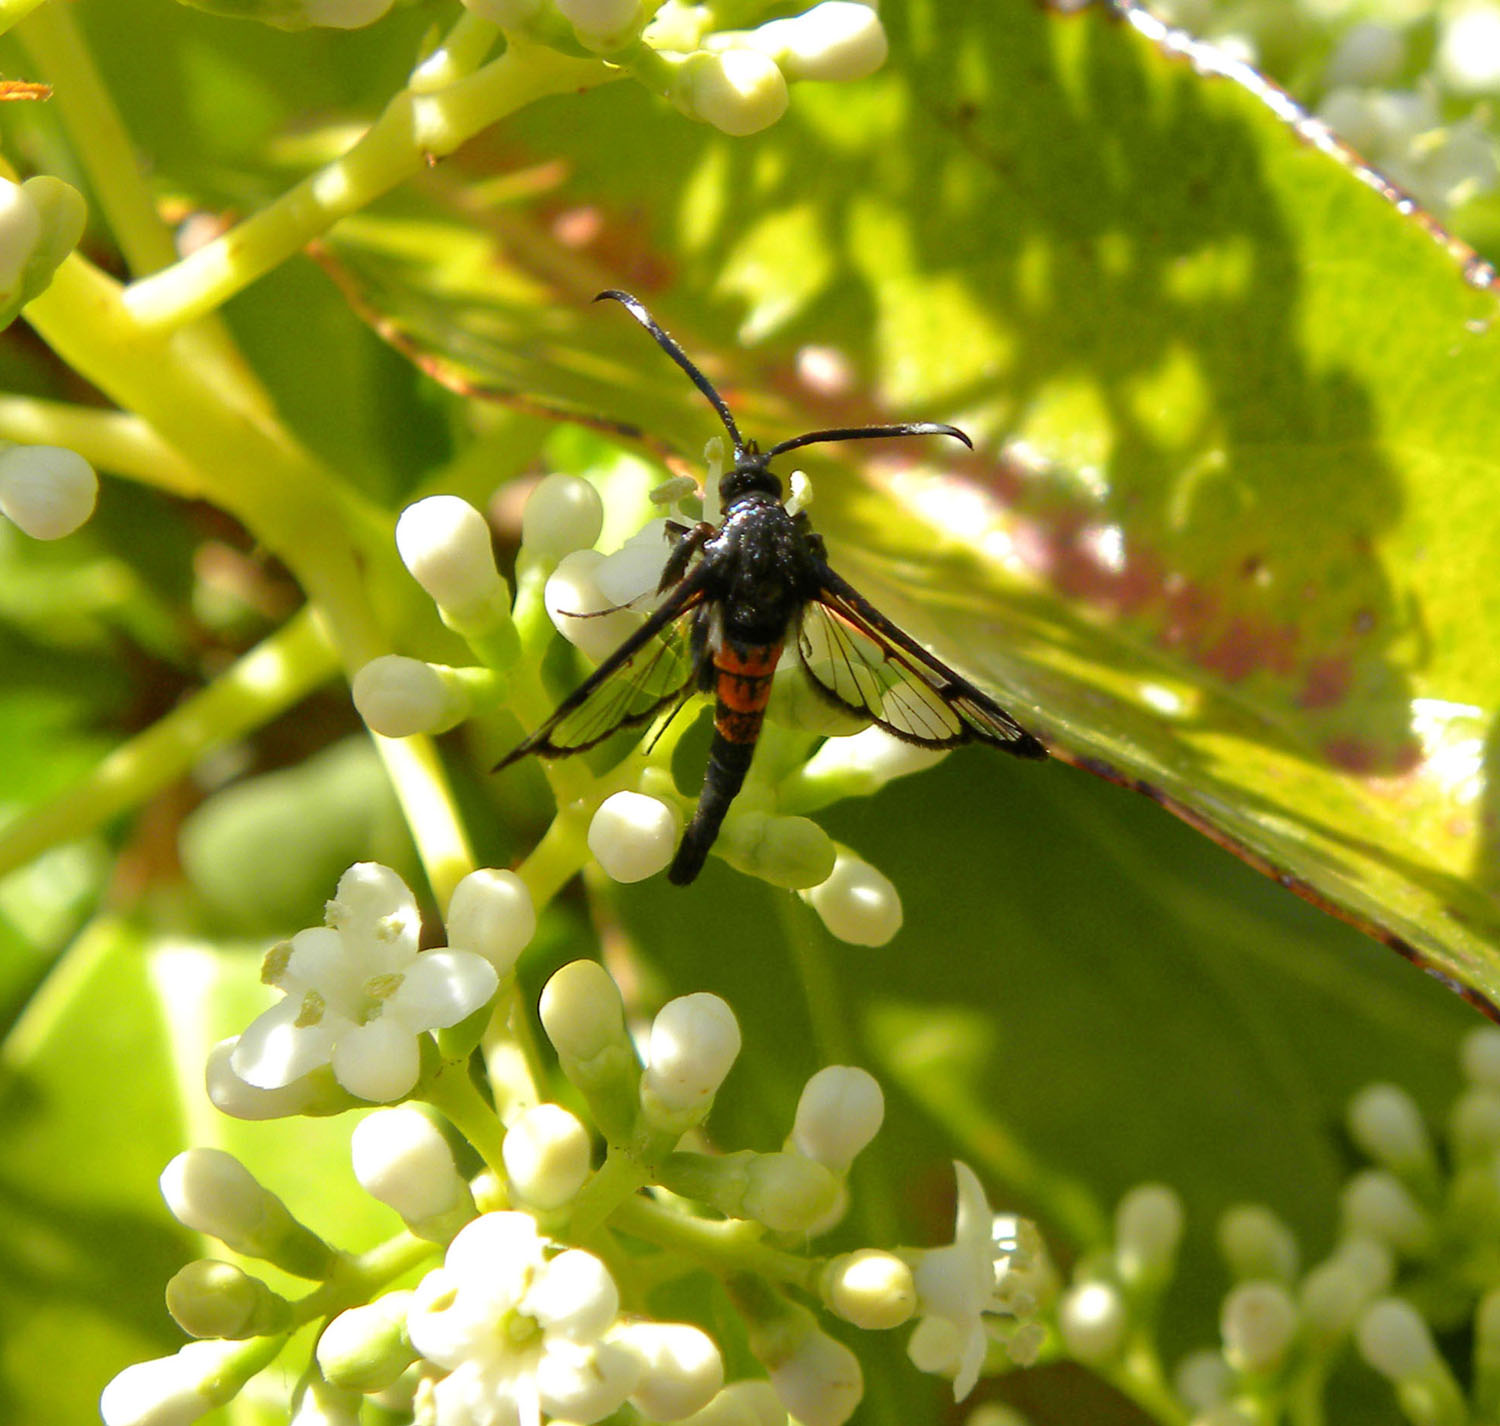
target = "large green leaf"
x: 1228, y: 532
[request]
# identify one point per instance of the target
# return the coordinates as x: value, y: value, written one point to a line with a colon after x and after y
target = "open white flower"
x: 993, y: 1265
x: 520, y: 1333
x: 358, y: 993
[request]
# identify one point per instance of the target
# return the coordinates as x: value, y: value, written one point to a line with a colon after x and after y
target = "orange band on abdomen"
x: 742, y: 689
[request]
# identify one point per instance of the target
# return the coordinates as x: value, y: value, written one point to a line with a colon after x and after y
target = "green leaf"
x: 1229, y: 532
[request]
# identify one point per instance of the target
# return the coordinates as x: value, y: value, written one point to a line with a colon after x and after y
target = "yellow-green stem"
x: 266, y: 681
x: 414, y: 128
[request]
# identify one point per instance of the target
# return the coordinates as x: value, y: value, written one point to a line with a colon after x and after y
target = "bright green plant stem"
x: 264, y: 682
x: 415, y: 127
x: 107, y: 440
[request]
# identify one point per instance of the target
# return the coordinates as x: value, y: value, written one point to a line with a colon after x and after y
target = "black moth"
x: 734, y: 594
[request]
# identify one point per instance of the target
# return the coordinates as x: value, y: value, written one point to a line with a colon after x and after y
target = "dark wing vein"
x: 651, y: 668
x: 857, y: 658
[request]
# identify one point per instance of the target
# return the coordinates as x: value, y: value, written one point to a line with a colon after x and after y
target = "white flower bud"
x: 1393, y: 1338
x: 1480, y: 1055
x: 212, y: 1192
x: 839, y: 39
x: 872, y: 1289
x: 1092, y: 1319
x: 365, y: 1348
x: 857, y: 903
x: 793, y: 852
x: 581, y: 1010
x: 839, y: 1112
x: 1376, y: 1204
x: 819, y: 1381
x: 1257, y: 1322
x: 445, y: 544
x: 563, y: 513
x: 491, y: 913
x: 1385, y: 1122
x: 208, y: 1298
x: 47, y: 491
x: 1148, y: 1228
x: 633, y: 836
x: 547, y: 1154
x: 572, y: 589
x: 1468, y: 54
x: 1256, y: 1244
x: 175, y: 1390
x: 602, y: 25
x: 1333, y: 1293
x: 20, y: 230
x: 399, y: 697
x: 694, y: 1041
x: 680, y: 1366
x: 401, y: 1157
x: 738, y: 91
x: 1202, y: 1379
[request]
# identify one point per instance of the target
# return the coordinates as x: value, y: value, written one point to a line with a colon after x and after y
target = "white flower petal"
x: 319, y: 960
x: 585, y: 1384
x: 496, y: 1255
x: 377, y: 915
x: 573, y: 1296
x: 378, y: 1061
x: 441, y: 988
x: 274, y: 1050
x: 474, y: 1394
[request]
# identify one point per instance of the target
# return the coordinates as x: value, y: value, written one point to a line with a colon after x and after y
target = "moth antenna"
x: 860, y: 433
x: 636, y: 308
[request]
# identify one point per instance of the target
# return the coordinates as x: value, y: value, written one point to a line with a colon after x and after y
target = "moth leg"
x: 689, y: 542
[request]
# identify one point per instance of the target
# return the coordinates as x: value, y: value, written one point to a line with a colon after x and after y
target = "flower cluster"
x: 1410, y: 90
x: 1415, y: 1260
x: 735, y: 80
x: 538, y: 1309
x: 812, y: 755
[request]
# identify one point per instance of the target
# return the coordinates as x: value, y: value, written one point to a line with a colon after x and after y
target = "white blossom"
x: 519, y: 1333
x: 47, y: 491
x: 358, y: 993
x: 956, y: 1286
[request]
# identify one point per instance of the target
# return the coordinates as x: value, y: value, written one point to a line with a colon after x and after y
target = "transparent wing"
x: 652, y: 667
x: 857, y: 658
